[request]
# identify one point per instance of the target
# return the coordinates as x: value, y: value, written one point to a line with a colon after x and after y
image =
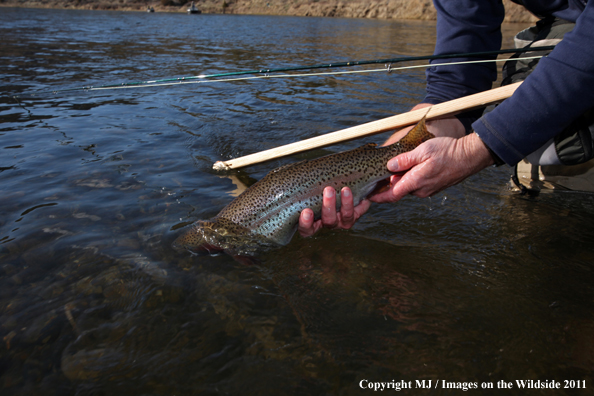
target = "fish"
x: 267, y: 214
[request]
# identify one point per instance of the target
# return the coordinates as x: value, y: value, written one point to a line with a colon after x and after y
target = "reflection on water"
x: 475, y: 284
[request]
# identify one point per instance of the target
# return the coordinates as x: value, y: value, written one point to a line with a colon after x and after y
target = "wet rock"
x: 130, y: 243
x: 44, y: 328
x: 8, y: 322
x: 94, y: 183
x: 12, y: 377
x: 7, y: 269
x: 33, y: 371
x: 93, y: 317
x: 54, y: 290
x: 39, y: 256
x: 6, y: 293
x: 87, y: 287
x: 29, y: 274
x: 55, y: 381
x: 115, y: 291
x: 129, y: 185
x: 82, y: 215
x: 91, y: 364
x: 8, y: 339
x: 168, y: 294
x: 56, y: 230
x: 4, y: 252
x: 16, y: 280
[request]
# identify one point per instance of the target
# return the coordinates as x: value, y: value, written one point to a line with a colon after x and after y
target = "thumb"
x: 402, y: 162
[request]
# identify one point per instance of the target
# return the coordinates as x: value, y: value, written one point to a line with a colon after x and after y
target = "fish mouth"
x: 221, y: 235
x: 200, y: 239
x: 203, y: 249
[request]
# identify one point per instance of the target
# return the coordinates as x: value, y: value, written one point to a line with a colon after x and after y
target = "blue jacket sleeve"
x: 559, y: 90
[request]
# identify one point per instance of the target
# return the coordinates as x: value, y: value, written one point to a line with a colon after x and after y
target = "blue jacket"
x: 557, y: 92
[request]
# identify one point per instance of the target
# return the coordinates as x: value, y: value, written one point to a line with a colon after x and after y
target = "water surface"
x: 475, y: 284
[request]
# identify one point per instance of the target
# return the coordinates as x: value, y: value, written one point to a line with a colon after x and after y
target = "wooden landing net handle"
x: 481, y: 99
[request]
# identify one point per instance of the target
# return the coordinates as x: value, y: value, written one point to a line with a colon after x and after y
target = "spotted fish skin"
x: 267, y: 214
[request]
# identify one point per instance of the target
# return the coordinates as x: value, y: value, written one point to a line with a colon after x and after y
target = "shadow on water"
x: 475, y: 284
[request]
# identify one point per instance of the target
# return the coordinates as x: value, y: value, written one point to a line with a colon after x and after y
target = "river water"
x: 477, y: 284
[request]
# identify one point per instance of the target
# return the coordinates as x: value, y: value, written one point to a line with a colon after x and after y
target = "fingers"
x: 409, y: 184
x: 362, y: 208
x: 307, y: 225
x: 434, y: 166
x: 383, y: 197
x: 347, y: 210
x: 401, y: 164
x: 330, y: 218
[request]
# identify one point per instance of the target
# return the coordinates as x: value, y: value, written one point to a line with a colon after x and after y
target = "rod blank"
x: 481, y: 99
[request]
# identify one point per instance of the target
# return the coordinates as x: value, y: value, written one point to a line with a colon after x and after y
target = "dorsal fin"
x: 417, y: 135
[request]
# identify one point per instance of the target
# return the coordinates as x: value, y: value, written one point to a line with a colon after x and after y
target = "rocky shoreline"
x: 381, y: 9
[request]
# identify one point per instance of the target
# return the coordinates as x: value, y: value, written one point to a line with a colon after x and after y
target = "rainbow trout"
x: 267, y: 214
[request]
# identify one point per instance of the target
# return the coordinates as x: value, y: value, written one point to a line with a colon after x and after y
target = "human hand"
x: 345, y: 218
x: 434, y: 166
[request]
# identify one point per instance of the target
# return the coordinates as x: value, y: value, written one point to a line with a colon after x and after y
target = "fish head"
x: 202, y: 237
x: 221, y: 235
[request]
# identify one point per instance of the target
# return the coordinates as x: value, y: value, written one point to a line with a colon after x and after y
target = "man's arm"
x: 557, y: 92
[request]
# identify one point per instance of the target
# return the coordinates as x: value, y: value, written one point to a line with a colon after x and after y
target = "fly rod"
x: 266, y: 71
x: 451, y: 107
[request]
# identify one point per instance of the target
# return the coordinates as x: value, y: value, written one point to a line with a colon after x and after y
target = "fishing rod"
x: 388, y: 61
x: 387, y: 68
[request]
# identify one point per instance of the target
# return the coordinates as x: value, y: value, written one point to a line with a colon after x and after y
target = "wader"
x: 566, y: 161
